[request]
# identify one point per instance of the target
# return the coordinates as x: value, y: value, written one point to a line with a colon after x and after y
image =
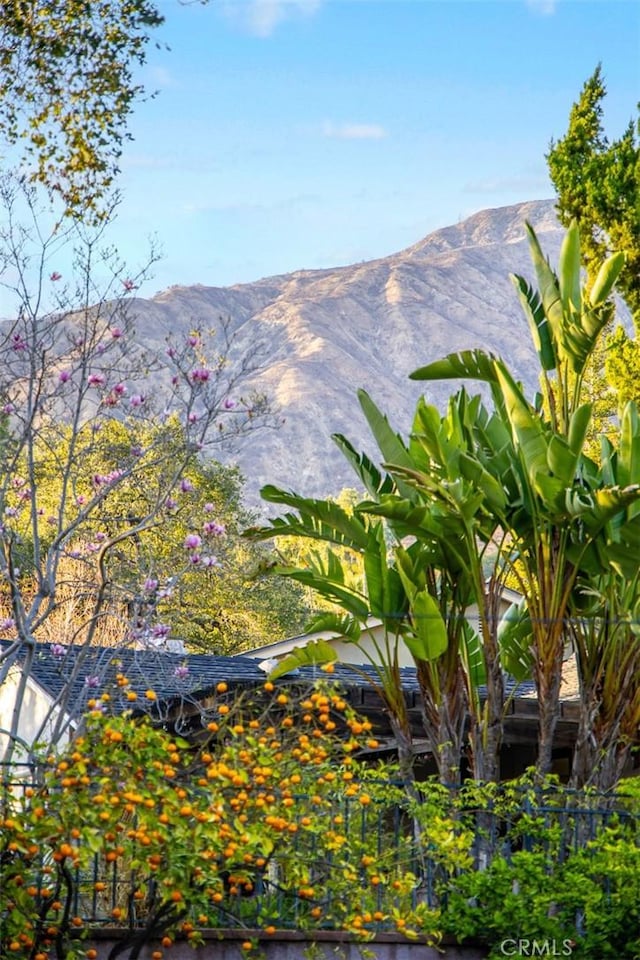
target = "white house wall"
x: 36, y: 711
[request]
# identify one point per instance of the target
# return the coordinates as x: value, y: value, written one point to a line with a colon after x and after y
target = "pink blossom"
x: 129, y: 285
x: 80, y: 500
x: 171, y: 353
x: 105, y: 478
x: 8, y: 408
x: 200, y: 375
x: 116, y: 333
x: 193, y: 340
x: 10, y: 512
x: 101, y: 536
x: 92, y: 682
x: 194, y: 559
x: 192, y: 541
x: 18, y: 342
x: 186, y: 485
x: 7, y: 624
x: 96, y: 379
x: 120, y: 389
x: 57, y: 650
x: 161, y: 630
x: 55, y: 276
x: 209, y: 507
x: 192, y: 418
x: 170, y: 503
x: 174, y: 381
x: 212, y: 528
x: 150, y: 585
x: 64, y: 376
x: 137, y: 400
x: 211, y: 561
x: 229, y: 404
x: 181, y: 673
x: 136, y: 451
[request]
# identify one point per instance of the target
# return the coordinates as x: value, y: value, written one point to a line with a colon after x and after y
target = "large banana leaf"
x: 549, y: 289
x: 578, y: 426
x: 528, y: 433
x: 538, y: 323
x: 314, y: 653
x: 472, y: 656
x: 467, y: 364
x: 384, y: 588
x: 569, y: 270
x: 514, y: 640
x: 606, y: 278
x: 390, y: 444
x: 428, y: 638
x: 317, y: 520
x: 349, y: 599
x: 375, y: 483
x: 341, y: 624
x: 628, y: 461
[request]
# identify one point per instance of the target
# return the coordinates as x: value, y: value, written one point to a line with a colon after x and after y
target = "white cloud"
x: 261, y: 17
x: 353, y: 131
x: 545, y: 8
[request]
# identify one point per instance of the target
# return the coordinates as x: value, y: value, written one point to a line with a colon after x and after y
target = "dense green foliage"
x: 221, y: 604
x: 475, y: 497
x: 598, y: 185
x: 271, y: 821
x: 597, y: 182
x: 67, y: 88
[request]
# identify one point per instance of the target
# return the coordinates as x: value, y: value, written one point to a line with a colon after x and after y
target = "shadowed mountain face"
x: 328, y: 332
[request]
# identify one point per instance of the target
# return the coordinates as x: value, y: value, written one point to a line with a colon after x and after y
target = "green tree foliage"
x: 212, y: 596
x: 67, y: 88
x: 514, y: 489
x: 597, y: 182
x: 598, y: 185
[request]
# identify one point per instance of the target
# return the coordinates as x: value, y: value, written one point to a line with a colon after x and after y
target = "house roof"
x: 88, y: 671
x: 183, y: 679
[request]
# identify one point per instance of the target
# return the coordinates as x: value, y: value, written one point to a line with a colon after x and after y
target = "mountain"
x: 328, y: 332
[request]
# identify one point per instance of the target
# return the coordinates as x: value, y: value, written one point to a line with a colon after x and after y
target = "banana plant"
x: 605, y: 627
x: 455, y: 505
x: 387, y: 610
x: 556, y: 506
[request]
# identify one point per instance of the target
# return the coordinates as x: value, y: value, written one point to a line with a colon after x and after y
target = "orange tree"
x: 266, y: 819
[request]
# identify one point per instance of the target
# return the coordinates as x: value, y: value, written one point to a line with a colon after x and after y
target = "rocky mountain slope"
x: 328, y: 332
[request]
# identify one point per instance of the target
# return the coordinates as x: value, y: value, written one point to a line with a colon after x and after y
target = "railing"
x: 398, y: 834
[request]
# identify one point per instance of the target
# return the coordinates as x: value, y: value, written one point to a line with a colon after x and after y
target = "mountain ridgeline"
x: 326, y: 333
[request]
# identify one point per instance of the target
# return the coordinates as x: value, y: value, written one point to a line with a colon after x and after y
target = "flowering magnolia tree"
x: 270, y: 821
x: 97, y: 441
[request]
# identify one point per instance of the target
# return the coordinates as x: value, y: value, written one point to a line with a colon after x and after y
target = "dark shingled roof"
x: 90, y: 671
x: 180, y: 676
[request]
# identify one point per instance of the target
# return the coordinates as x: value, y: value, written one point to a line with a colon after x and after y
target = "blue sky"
x: 293, y: 134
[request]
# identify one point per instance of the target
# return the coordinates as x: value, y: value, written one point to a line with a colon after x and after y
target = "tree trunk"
x: 548, y: 689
